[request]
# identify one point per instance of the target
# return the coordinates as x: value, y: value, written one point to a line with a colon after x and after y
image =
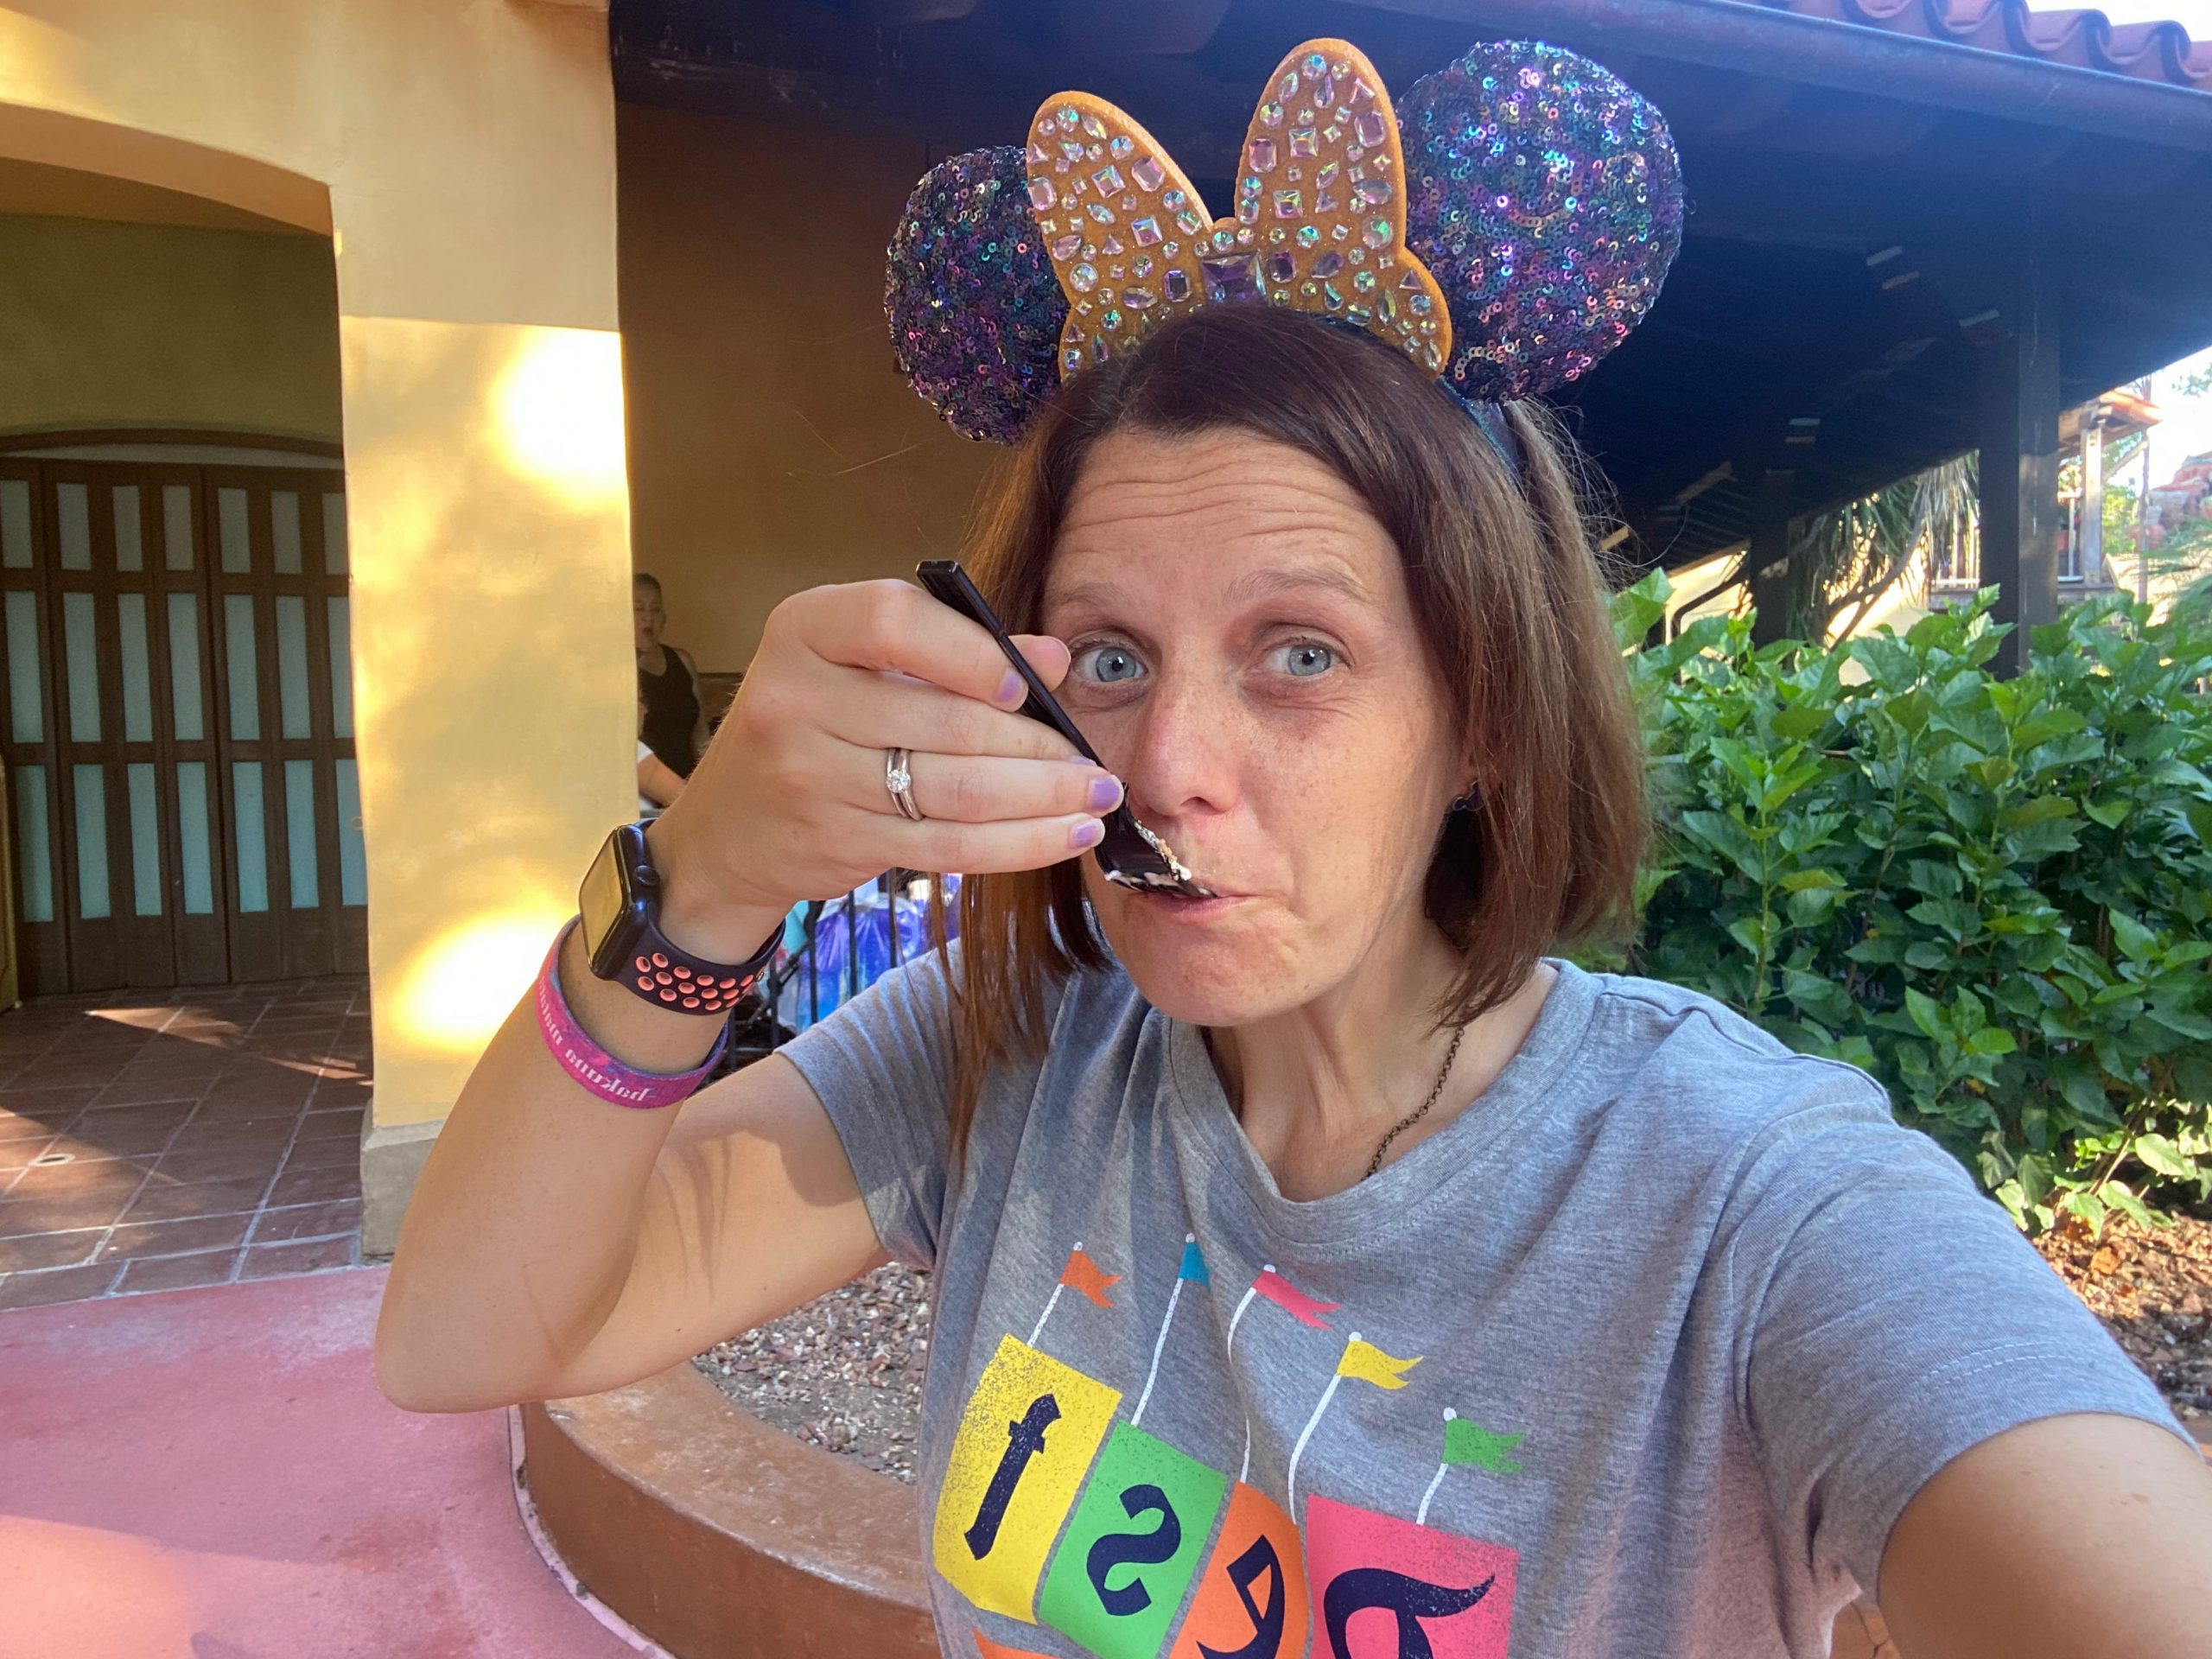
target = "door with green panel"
x: 179, y: 724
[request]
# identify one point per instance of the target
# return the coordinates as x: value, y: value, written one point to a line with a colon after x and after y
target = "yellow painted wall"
x: 104, y: 324
x: 773, y: 444
x: 462, y: 154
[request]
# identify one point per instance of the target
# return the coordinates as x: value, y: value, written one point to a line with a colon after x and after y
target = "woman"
x: 1322, y: 1260
x: 668, y: 684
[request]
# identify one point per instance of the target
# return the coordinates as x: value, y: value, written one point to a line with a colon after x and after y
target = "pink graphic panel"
x: 1381, y: 1585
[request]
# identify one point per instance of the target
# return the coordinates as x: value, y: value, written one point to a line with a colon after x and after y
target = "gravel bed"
x: 2152, y: 1289
x: 845, y: 1372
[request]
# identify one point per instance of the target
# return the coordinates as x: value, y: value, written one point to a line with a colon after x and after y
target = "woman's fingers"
x: 988, y: 789
x: 895, y: 627
x: 880, y: 711
x: 992, y: 848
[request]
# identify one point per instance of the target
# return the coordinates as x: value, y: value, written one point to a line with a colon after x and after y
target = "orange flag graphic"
x: 1084, y: 1275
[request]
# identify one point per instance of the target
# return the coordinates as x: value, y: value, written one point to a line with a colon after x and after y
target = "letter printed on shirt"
x: 1384, y: 1587
x: 1027, y: 1435
x: 1251, y: 1601
x: 1134, y: 1541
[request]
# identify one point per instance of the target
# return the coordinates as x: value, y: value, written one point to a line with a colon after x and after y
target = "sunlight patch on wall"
x: 560, y: 414
x: 461, y: 985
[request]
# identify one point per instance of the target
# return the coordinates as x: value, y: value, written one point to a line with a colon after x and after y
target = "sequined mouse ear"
x: 973, y: 307
x: 1545, y: 196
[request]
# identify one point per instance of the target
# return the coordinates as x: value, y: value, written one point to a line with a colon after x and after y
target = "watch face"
x: 606, y: 906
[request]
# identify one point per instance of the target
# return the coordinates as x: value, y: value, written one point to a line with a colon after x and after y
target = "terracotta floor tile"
x: 177, y: 1272
x: 191, y: 1165
x: 55, y: 1285
x: 319, y: 1125
x: 61, y: 1213
x: 220, y: 1108
x: 140, y: 1085
x: 166, y: 1201
x: 315, y: 1186
x: 50, y: 1249
x: 18, y: 1153
x: 175, y: 1237
x: 131, y: 1131
x: 53, y: 1106
x: 308, y: 1221
x: 202, y: 1133
x: 337, y: 1151
x: 268, y: 1260
x: 78, y: 1071
x: 72, y: 1175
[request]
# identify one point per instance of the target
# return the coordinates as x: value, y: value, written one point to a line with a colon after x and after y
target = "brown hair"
x: 1504, y: 582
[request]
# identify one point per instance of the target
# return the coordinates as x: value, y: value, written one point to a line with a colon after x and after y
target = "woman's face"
x: 1246, y: 661
x: 647, y: 616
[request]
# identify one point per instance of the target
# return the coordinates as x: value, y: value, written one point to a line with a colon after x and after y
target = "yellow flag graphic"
x: 1370, y: 1364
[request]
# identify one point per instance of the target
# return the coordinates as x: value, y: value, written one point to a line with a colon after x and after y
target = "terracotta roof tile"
x: 2083, y: 39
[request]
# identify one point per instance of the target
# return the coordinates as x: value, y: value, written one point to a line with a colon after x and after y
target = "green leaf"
x: 1801, y: 722
x: 2087, y: 1205
x: 1991, y: 1039
x: 2135, y: 941
x: 2117, y: 1197
x: 2108, y: 812
x: 2040, y: 809
x: 2157, y: 1153
x: 1927, y: 1013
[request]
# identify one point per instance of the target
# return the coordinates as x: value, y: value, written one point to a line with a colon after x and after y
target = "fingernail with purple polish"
x: 1012, y: 689
x: 1088, y: 833
x: 1105, y: 793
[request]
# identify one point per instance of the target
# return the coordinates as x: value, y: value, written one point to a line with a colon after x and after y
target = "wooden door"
x: 179, y: 720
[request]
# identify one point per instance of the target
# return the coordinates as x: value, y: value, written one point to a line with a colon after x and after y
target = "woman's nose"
x: 1182, y: 757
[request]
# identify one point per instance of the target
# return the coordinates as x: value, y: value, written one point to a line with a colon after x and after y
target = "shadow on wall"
x: 773, y: 444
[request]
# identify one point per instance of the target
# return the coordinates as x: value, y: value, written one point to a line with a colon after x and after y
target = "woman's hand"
x: 790, y: 802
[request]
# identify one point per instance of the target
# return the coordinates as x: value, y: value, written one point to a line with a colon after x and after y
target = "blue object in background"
x: 853, y: 946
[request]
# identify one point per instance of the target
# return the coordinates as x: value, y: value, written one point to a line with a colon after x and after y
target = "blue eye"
x: 1305, y: 659
x: 1107, y: 664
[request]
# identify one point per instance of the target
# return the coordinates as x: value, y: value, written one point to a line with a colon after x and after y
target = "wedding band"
x: 901, y: 782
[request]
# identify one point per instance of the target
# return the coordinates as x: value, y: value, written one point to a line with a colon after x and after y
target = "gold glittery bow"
x: 1319, y: 224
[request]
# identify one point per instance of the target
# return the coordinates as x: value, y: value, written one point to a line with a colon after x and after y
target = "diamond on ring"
x: 899, y: 778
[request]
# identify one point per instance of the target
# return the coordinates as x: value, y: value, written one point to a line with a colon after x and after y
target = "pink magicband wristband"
x: 592, y: 1066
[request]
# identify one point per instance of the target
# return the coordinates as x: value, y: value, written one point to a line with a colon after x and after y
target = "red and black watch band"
x: 665, y: 976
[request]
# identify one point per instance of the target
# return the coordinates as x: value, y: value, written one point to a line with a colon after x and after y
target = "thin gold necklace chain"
x: 1421, y: 1110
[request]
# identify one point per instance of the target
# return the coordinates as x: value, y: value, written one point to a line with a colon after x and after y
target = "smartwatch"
x: 620, y: 907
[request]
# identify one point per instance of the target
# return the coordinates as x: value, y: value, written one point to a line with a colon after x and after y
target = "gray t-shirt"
x: 1641, y: 1354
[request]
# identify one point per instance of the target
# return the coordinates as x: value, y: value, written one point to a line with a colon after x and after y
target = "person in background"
x: 675, y: 725
x: 658, y: 785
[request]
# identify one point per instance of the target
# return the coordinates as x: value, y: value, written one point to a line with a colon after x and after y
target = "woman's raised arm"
x: 558, y: 1243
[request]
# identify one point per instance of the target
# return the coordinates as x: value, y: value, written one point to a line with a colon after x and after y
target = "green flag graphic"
x: 1467, y: 1442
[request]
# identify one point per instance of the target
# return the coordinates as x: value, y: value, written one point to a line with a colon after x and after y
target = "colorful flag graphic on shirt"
x: 1081, y: 1273
x: 1293, y: 1300
x: 1251, y: 1597
x: 1466, y: 1442
x: 1086, y: 1275
x: 1194, y: 1265
x: 1019, y: 1458
x: 1361, y: 1359
x: 1384, y: 1587
x: 1370, y: 1364
x: 1193, y: 1271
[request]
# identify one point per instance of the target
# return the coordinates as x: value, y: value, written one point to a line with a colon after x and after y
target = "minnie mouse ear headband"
x: 1505, y: 226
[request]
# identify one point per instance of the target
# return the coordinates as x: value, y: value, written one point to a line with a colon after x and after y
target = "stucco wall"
x: 104, y: 324
x: 460, y: 152
x: 773, y: 444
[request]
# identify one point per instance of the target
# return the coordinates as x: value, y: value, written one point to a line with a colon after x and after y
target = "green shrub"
x: 1994, y: 895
